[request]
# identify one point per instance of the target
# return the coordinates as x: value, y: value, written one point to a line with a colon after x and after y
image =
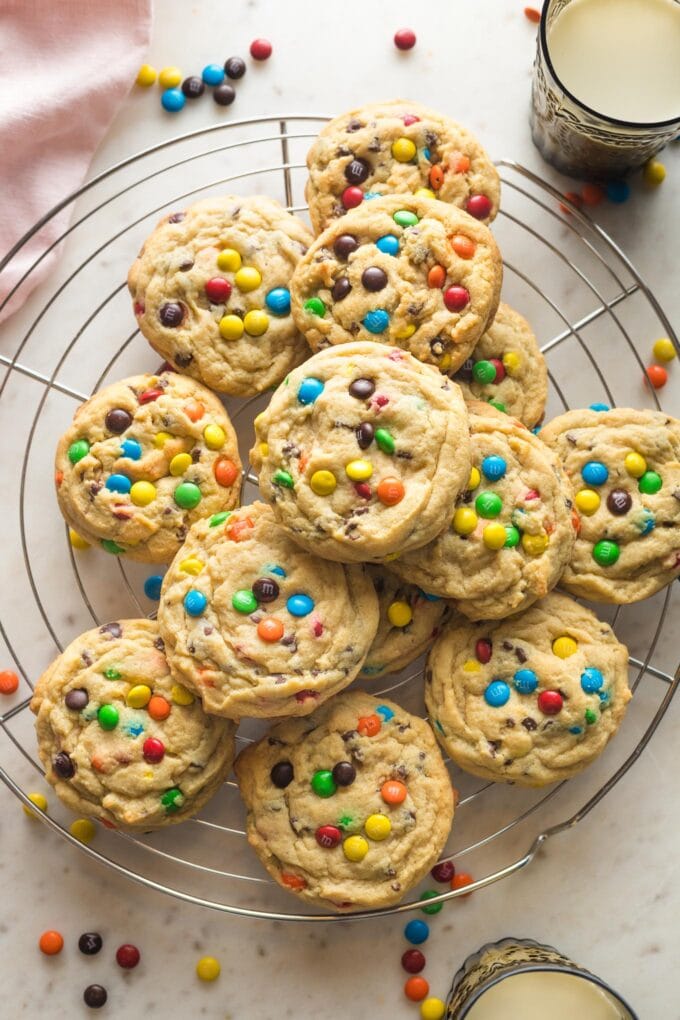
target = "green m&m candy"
x: 512, y: 538
x: 606, y: 553
x: 650, y: 483
x: 483, y: 372
x: 591, y: 716
x: 323, y: 783
x: 316, y: 306
x: 219, y: 518
x: 384, y: 440
x: 284, y: 479
x: 78, y: 450
x: 112, y: 547
x: 172, y: 800
x: 107, y: 717
x: 187, y: 495
x: 488, y: 504
x: 433, y: 908
x: 244, y: 601
x: 405, y: 218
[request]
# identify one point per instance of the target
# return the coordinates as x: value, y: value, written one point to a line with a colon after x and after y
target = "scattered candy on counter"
x: 405, y: 39
x: 127, y: 956
x: 95, y: 996
x: 260, y: 49
x: 654, y: 172
x: 77, y: 541
x: 663, y: 349
x: 146, y: 76
x: 169, y: 77
x: 531, y: 14
x: 40, y: 801
x: 657, y: 376
x: 83, y: 830
x: 90, y: 943
x: 51, y: 943
x: 208, y: 968
x: 9, y: 681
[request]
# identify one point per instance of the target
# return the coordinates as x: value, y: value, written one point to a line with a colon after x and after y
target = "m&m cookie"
x: 256, y: 626
x: 143, y: 459
x: 403, y: 270
x: 512, y: 530
x: 210, y: 292
x: 362, y: 452
x: 507, y: 369
x: 624, y: 467
x: 410, y: 620
x: 119, y: 738
x: 350, y: 807
x: 397, y: 148
x: 529, y: 700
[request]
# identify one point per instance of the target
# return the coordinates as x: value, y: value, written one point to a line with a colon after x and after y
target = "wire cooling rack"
x: 589, y: 307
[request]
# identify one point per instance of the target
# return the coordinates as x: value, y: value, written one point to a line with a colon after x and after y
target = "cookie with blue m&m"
x: 362, y: 452
x: 532, y: 699
x: 256, y: 626
x: 142, y: 460
x: 624, y: 467
x: 403, y: 270
x: 119, y: 739
x: 351, y: 806
x: 512, y: 530
x: 398, y: 147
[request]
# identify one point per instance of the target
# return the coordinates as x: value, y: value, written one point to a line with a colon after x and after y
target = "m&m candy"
x: 404, y: 39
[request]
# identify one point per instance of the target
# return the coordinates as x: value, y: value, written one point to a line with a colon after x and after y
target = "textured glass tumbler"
x: 496, y: 961
x: 579, y: 141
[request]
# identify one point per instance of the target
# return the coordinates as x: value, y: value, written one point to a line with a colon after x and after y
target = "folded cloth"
x: 65, y: 68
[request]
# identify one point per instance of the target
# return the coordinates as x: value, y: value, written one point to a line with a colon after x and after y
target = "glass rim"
x: 640, y: 125
x: 547, y: 968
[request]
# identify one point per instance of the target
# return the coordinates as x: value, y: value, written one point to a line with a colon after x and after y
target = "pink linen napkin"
x: 65, y: 68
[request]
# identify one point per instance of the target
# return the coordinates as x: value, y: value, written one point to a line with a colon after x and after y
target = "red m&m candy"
x: 550, y: 702
x: 260, y: 49
x: 478, y: 206
x: 127, y: 956
x: 352, y: 197
x: 218, y: 290
x: 405, y: 39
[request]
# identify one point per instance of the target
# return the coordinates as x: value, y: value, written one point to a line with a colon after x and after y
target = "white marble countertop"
x: 607, y: 891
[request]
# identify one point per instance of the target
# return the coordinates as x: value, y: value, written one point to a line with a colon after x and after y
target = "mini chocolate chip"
x: 521, y: 655
x: 159, y: 643
x: 353, y: 125
x: 529, y: 724
x: 182, y: 359
x: 176, y: 217
x: 114, y: 629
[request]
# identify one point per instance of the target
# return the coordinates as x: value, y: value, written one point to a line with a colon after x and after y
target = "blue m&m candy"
x: 617, y: 191
x: 591, y: 680
x: 195, y: 602
x: 417, y: 932
x: 525, y: 681
x: 309, y: 389
x: 497, y: 693
x: 152, y: 587
x: 594, y: 473
x: 376, y: 321
x: 299, y: 605
x: 213, y: 74
x: 389, y: 244
x: 131, y: 448
x: 118, y: 483
x: 600, y: 407
x: 173, y: 100
x: 278, y: 301
x: 385, y: 712
x: 494, y: 468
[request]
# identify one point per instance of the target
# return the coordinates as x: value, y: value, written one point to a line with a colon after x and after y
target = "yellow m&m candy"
x: 494, y: 536
x: 191, y: 565
x: 143, y: 493
x: 587, y: 501
x: 146, y: 76
x: 323, y: 483
x: 355, y: 848
x: 474, y: 479
x: 247, y: 279
x: 138, y: 696
x: 403, y: 150
x: 83, y: 830
x: 229, y: 260
x: 359, y: 470
x: 663, y: 349
x: 76, y: 540
x: 564, y: 646
x: 180, y: 463
x: 231, y: 327
x: 635, y: 464
x: 256, y: 322
x: 170, y: 77
x: 464, y: 521
x: 40, y: 801
x: 214, y: 437
x: 181, y: 696
x: 511, y: 362
x: 208, y: 968
x: 399, y: 614
x: 378, y: 827
x: 534, y: 545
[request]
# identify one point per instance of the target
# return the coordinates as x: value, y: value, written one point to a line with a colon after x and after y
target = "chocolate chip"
x: 159, y: 644
x: 176, y: 217
x: 114, y: 629
x: 521, y: 655
x: 353, y: 125
x: 63, y: 765
x: 183, y: 359
x: 529, y: 724
x: 282, y: 774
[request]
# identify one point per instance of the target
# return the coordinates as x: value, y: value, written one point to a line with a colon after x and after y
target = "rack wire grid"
x: 76, y: 333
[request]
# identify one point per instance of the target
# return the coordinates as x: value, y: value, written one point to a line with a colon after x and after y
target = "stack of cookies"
x: 410, y: 504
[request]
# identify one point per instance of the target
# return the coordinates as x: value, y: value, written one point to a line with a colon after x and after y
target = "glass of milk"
x: 606, y: 85
x: 519, y: 979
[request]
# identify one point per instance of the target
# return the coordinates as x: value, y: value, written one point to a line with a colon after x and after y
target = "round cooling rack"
x: 76, y: 333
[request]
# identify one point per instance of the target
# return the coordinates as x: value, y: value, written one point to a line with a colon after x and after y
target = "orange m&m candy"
x: 225, y: 472
x: 436, y: 277
x: 591, y: 194
x: 51, y: 943
x: 463, y: 246
x: 461, y: 879
x: 436, y: 177
x: 462, y: 165
x: 238, y: 530
x: 9, y: 681
x: 416, y: 988
x: 293, y: 881
x: 657, y: 375
x: 369, y: 725
x: 270, y: 629
x: 390, y: 491
x: 194, y: 410
x: 158, y: 708
x: 393, y: 792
